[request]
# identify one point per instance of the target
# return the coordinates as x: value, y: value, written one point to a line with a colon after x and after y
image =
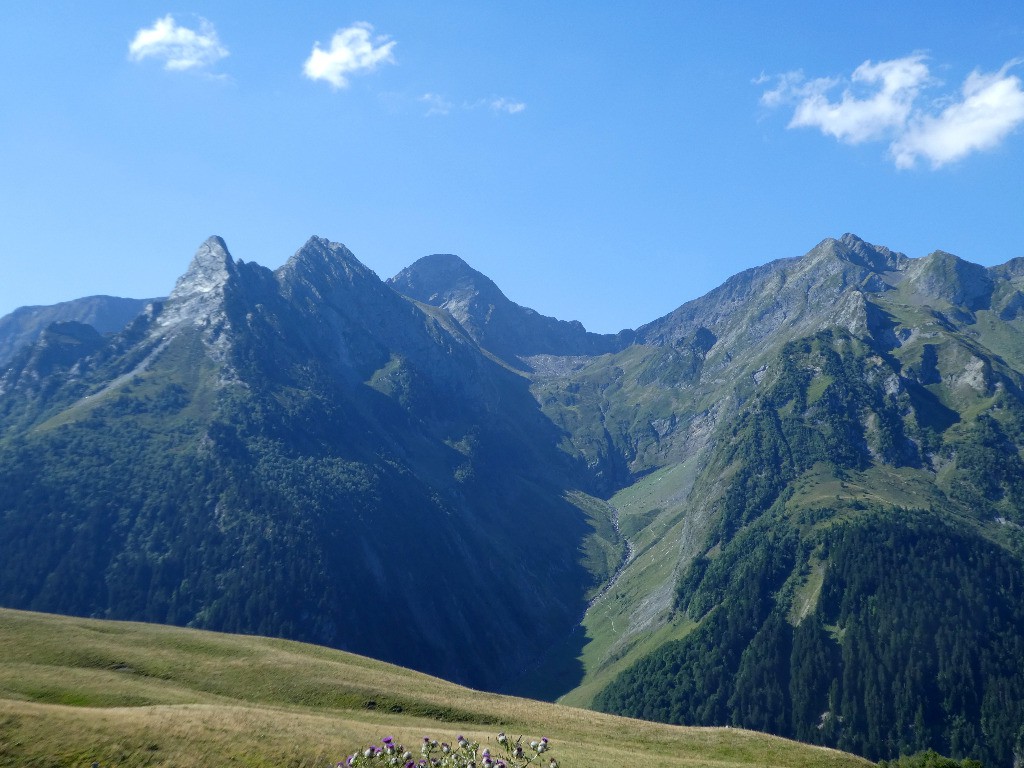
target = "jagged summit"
x: 210, y: 268
x: 200, y: 291
x: 322, y: 265
x: 319, y: 252
x: 877, y: 258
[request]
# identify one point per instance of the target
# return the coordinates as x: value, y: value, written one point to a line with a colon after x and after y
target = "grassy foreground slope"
x: 75, y: 691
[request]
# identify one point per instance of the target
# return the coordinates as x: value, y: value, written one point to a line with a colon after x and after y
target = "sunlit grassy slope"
x: 77, y: 691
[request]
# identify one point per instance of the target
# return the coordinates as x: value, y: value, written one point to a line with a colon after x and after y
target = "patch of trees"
x: 917, y: 643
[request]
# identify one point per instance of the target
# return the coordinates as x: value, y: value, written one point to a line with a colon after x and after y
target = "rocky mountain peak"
x: 321, y: 267
x: 851, y: 249
x: 210, y: 268
x: 440, y: 277
x: 491, y: 318
x: 943, y: 276
x: 200, y: 291
x: 445, y: 280
x: 877, y: 258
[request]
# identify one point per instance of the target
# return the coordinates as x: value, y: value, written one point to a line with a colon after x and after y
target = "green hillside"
x: 795, y: 504
x: 76, y: 691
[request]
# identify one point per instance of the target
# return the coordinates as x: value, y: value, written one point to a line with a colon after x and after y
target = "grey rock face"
x: 198, y: 295
x: 944, y: 277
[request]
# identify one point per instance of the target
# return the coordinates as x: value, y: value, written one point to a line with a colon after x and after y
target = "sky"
x: 602, y: 162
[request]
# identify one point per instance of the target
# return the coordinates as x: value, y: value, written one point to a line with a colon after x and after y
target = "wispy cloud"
x: 506, y: 105
x: 352, y: 50
x: 885, y: 102
x: 179, y: 47
x: 437, y: 104
x: 442, y: 105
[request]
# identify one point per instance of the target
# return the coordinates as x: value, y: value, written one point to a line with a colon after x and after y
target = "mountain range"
x: 794, y: 504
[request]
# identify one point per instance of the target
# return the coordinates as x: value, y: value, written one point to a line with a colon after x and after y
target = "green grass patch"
x: 251, y: 701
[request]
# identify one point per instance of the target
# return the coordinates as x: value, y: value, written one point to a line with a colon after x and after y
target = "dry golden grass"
x: 76, y: 691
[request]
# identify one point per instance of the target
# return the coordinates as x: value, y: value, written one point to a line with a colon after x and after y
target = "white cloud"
x: 179, y: 47
x: 438, y: 105
x: 507, y: 105
x: 991, y: 107
x: 882, y: 102
x: 895, y: 84
x: 352, y: 50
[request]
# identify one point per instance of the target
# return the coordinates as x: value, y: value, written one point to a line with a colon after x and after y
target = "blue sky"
x: 600, y: 161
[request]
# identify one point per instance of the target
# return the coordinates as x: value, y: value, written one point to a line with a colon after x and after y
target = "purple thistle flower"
x: 386, y: 740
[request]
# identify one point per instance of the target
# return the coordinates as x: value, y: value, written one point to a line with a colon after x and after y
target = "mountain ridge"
x: 491, y: 319
x: 735, y: 466
x: 107, y: 314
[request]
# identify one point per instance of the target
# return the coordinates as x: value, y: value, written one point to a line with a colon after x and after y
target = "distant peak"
x: 443, y: 275
x: 443, y: 261
x: 445, y: 267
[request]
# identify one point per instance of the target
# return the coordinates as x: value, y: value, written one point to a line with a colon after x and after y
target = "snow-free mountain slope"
x: 794, y: 504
